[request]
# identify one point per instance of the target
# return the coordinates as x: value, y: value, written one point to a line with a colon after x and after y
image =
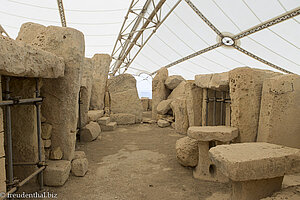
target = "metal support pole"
x: 215, y: 108
x: 38, y: 112
x: 207, y: 103
x: 10, y: 172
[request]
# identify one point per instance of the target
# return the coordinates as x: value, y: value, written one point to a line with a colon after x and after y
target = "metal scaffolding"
x: 62, y: 13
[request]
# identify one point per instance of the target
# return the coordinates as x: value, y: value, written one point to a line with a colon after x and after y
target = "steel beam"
x: 62, y: 13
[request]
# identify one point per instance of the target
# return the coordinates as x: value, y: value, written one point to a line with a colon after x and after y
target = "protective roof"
x: 183, y: 33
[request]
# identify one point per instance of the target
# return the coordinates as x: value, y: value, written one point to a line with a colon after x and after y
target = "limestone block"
x: 150, y: 104
x: 159, y: 90
x: 187, y: 151
x: 111, y: 126
x: 193, y: 103
x: 90, y: 132
x: 61, y: 109
x: 2, y: 175
x: 163, y: 123
x: 47, y: 153
x: 79, y: 154
x: 173, y: 81
x: 2, y: 153
x: 280, y: 111
x: 124, y: 96
x: 253, y: 161
x: 56, y: 153
x: 145, y: 103
x: 213, y: 133
x: 22, y: 60
x: 95, y: 115
x: 245, y: 92
x: 178, y: 92
x: 180, y: 112
x: 57, y: 172
x: 86, y: 90
x: 47, y: 143
x: 103, y: 120
x: 164, y: 106
x: 123, y: 118
x: 101, y: 64
x: 79, y: 167
x: 148, y: 120
x: 46, y: 131
x: 217, y: 81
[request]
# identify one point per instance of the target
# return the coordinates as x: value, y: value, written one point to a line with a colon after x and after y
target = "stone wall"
x: 2, y: 153
x: 280, y: 111
x: 245, y: 92
x: 60, y: 107
x: 100, y: 76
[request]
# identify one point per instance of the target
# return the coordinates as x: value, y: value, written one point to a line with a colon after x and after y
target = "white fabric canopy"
x: 181, y: 34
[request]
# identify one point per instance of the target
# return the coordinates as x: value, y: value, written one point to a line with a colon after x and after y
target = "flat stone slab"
x: 254, y: 161
x: 111, y: 126
x: 94, y: 115
x: 211, y: 133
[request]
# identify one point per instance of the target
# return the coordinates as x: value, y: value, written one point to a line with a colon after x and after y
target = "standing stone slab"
x: 124, y: 96
x: 245, y: 92
x: 145, y: 103
x: 173, y: 81
x: 280, y: 111
x: 60, y: 106
x: 181, y: 118
x: 101, y: 66
x: 159, y: 90
x: 193, y: 103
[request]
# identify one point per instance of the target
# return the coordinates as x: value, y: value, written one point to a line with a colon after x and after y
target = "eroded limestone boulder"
x: 57, y: 172
x: 178, y: 92
x: 79, y: 167
x: 163, y: 123
x: 187, y: 151
x: 173, y: 81
x: 124, y: 96
x: 90, y: 132
x: 46, y: 131
x: 164, y: 106
x: 159, y: 90
x: 217, y: 81
x: 95, y: 115
x: 56, y: 153
x: 123, y: 118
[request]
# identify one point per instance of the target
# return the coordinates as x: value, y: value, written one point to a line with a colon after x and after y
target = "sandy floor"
x: 134, y: 163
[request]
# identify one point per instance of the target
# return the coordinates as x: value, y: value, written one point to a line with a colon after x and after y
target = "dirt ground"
x: 134, y: 163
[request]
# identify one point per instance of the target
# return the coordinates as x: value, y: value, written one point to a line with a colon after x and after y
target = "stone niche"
x: 60, y: 106
x: 124, y: 96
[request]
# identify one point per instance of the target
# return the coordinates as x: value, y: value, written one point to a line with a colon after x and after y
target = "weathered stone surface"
x: 79, y: 154
x: 280, y: 111
x: 95, y: 115
x: 213, y: 133
x: 173, y: 81
x: 2, y: 153
x: 2, y: 175
x: 111, y: 126
x: 253, y: 161
x: 103, y: 120
x: 145, y: 103
x: 90, y: 132
x: 101, y: 66
x: 178, y: 92
x: 163, y: 123
x: 61, y: 109
x: 164, y: 106
x: 79, y: 167
x: 47, y: 143
x: 57, y: 172
x: 123, y: 118
x: 22, y: 60
x: 56, y: 153
x: 181, y: 119
x: 245, y: 92
x: 46, y: 131
x: 159, y: 90
x: 86, y: 90
x: 193, y: 103
x: 217, y: 81
x: 148, y: 120
x: 124, y: 96
x: 187, y: 151
x: 150, y: 104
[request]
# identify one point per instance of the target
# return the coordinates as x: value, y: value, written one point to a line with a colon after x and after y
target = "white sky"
x: 182, y: 34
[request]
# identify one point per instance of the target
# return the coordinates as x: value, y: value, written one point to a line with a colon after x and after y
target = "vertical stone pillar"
x: 60, y: 106
x: 2, y: 153
x: 245, y: 92
x: 100, y: 76
x: 181, y: 118
x: 159, y: 90
x: 193, y: 103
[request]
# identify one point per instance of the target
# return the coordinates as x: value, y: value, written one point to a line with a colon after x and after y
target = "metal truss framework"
x: 136, y: 33
x: 62, y: 13
x: 3, y: 31
x: 232, y: 41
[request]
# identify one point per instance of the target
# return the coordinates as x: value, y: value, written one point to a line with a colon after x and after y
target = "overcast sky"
x: 182, y: 34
